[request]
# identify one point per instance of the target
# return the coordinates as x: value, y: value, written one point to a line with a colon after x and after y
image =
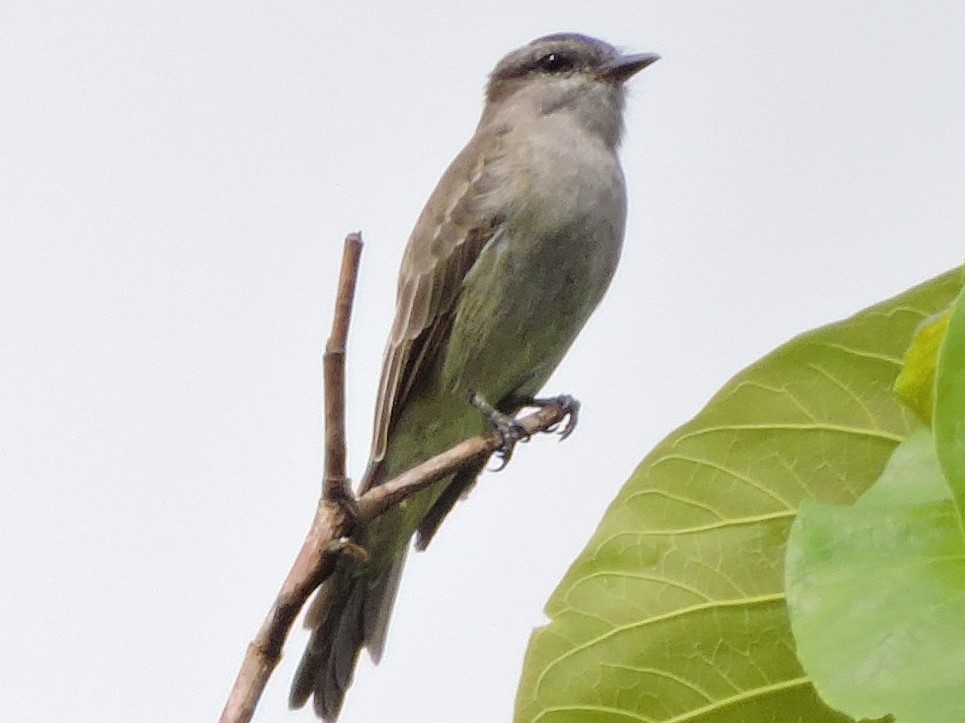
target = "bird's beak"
x: 621, y: 69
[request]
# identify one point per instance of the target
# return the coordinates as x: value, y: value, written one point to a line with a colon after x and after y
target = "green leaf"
x: 950, y: 406
x: 876, y: 592
x: 915, y: 384
x: 675, y: 610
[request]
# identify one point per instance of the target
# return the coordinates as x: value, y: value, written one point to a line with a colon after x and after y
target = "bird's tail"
x: 350, y: 611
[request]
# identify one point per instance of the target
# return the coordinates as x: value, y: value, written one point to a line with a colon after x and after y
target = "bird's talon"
x: 503, y: 460
x: 569, y: 405
x: 509, y: 430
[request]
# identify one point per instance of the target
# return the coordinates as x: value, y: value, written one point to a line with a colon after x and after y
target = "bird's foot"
x: 569, y: 405
x: 509, y: 430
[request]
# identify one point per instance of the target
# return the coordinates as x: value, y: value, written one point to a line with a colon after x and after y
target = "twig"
x: 338, y: 511
x: 336, y: 484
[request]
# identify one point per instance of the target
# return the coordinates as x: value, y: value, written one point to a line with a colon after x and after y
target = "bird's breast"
x: 560, y: 177
x: 546, y: 268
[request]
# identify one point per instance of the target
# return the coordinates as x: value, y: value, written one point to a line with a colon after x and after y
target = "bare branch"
x: 380, y: 498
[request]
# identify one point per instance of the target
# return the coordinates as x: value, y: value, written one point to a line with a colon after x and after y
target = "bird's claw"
x: 569, y: 405
x: 512, y: 432
x: 509, y: 430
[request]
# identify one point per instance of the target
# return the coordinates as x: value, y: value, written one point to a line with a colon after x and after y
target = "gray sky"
x: 176, y: 182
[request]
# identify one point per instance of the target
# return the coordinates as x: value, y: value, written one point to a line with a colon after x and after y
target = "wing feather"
x: 448, y: 238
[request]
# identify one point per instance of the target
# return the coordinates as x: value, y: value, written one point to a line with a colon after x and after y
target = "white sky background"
x: 175, y: 183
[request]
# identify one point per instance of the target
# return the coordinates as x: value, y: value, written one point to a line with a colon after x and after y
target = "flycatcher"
x: 513, y: 251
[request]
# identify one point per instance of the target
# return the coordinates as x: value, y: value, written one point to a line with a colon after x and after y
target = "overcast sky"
x: 175, y: 183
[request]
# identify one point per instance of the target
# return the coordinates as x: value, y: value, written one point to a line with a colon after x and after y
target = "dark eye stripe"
x: 554, y: 63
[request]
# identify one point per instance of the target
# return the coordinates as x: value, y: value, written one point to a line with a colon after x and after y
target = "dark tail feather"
x: 378, y: 607
x: 348, y: 612
x: 329, y: 661
x: 457, y: 489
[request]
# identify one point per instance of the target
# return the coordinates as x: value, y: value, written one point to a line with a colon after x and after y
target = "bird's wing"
x: 452, y: 230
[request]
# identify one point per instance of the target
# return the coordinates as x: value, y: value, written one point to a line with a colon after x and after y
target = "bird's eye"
x: 554, y: 63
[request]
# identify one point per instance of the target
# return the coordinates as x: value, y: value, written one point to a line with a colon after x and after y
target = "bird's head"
x: 568, y: 72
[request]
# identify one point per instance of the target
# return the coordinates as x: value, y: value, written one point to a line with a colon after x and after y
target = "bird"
x: 514, y: 249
